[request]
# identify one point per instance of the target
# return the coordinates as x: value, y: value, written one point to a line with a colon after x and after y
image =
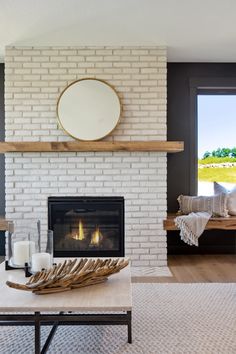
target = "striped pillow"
x: 215, y: 205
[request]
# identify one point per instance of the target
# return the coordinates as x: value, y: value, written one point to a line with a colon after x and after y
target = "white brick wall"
x: 34, y: 79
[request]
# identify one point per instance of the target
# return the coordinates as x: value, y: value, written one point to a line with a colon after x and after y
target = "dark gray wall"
x: 2, y: 163
x: 180, y: 120
x: 181, y: 176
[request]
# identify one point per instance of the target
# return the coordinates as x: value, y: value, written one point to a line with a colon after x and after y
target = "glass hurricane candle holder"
x: 22, y: 240
x: 42, y: 258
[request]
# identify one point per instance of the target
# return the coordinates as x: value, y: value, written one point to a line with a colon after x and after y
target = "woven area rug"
x: 167, y: 319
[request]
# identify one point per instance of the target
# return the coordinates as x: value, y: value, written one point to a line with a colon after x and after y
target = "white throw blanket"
x: 192, y: 226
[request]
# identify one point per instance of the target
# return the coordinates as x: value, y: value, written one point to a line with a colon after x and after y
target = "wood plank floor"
x: 197, y: 269
x: 202, y: 268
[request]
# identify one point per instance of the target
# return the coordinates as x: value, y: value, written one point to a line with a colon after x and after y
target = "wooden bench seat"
x: 219, y: 223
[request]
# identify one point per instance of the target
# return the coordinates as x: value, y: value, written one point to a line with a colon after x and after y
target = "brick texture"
x: 34, y: 79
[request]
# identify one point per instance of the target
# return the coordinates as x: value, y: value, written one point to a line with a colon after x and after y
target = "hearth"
x: 87, y: 226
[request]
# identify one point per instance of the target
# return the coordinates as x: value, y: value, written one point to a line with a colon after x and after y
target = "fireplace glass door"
x: 87, y: 226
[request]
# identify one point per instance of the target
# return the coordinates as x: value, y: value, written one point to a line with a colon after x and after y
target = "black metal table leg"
x: 50, y: 336
x: 129, y: 314
x: 37, y: 333
x: 235, y: 244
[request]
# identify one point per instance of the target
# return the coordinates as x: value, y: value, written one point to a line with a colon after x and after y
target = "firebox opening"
x: 87, y: 226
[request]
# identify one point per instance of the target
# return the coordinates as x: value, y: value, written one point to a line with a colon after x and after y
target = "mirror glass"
x: 88, y: 109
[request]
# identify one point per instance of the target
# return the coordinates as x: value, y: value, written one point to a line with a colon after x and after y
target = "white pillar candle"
x: 22, y: 251
x: 40, y: 261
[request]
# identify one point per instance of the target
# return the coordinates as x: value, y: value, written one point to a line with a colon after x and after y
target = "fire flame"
x: 96, y: 237
x: 80, y: 234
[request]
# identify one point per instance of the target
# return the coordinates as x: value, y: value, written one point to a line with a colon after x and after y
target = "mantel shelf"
x: 74, y: 146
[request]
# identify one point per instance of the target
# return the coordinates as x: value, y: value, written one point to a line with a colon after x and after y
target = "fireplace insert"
x: 87, y: 226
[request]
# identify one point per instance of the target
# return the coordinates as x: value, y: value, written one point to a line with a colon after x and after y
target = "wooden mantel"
x: 3, y: 224
x: 74, y: 146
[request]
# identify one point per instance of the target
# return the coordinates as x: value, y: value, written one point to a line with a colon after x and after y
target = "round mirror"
x: 88, y: 109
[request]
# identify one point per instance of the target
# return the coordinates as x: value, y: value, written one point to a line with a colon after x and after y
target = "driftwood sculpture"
x: 71, y: 275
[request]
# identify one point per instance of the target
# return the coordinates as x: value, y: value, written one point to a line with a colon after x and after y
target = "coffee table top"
x: 113, y: 295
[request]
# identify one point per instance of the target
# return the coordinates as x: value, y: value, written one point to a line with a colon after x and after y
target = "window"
x: 216, y: 140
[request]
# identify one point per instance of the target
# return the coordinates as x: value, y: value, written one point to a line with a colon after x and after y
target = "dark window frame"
x: 206, y: 85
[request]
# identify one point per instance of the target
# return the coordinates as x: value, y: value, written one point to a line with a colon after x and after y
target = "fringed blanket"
x: 192, y: 226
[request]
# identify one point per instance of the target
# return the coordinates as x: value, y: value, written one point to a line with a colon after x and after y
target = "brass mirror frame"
x: 73, y: 83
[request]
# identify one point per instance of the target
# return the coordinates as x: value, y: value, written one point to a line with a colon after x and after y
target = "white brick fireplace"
x: 34, y: 79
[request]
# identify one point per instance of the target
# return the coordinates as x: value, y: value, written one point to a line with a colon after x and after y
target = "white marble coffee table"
x: 113, y: 298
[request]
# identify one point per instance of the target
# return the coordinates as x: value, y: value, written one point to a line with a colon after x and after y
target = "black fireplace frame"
x: 84, y: 199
